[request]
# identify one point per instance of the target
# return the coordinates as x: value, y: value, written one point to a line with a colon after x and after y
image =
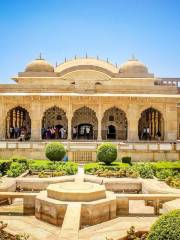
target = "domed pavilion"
x: 90, y: 100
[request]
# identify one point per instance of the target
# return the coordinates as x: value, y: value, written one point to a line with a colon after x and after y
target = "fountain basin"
x: 97, y: 205
x: 76, y: 192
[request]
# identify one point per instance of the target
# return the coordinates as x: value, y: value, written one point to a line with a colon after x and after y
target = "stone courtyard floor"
x: 39, y: 230
x: 140, y: 216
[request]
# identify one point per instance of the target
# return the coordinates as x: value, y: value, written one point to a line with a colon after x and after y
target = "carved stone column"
x: 133, y: 118
x: 36, y: 119
x: 99, y: 116
x: 2, y: 121
x: 170, y: 119
x: 69, y: 117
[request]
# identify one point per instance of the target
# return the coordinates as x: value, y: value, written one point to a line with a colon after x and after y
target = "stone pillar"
x: 69, y: 117
x: 29, y: 205
x: 99, y: 116
x: 133, y: 118
x: 170, y: 120
x: 2, y: 121
x: 36, y: 121
x: 99, y: 138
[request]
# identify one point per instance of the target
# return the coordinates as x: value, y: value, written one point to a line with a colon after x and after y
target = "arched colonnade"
x: 84, y: 124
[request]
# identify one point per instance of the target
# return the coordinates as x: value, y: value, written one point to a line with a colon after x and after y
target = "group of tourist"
x: 84, y: 131
x: 19, y: 133
x: 146, y: 135
x: 53, y: 133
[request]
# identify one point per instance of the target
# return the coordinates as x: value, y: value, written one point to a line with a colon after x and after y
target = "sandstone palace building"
x: 86, y: 101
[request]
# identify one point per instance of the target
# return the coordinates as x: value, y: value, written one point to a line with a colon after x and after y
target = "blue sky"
x: 113, y: 29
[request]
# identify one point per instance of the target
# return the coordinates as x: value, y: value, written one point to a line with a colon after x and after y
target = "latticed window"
x: 111, y: 118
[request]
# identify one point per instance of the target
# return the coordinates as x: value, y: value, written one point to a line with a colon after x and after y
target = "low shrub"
x: 166, y: 227
x: 16, y: 169
x: 7, y: 236
x: 126, y: 160
x: 39, y: 165
x: 93, y: 167
x: 69, y: 168
x: 43, y: 174
x: 144, y: 169
x: 173, y: 181
x: 4, y: 166
x: 123, y: 172
x: 19, y: 159
x: 107, y: 153
x: 166, y: 165
x: 116, y: 169
x: 55, y: 151
x: 164, y: 173
x: 133, y: 235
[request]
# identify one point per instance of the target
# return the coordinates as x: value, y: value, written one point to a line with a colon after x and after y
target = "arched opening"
x: 114, y: 124
x: 151, y: 125
x: 54, y: 124
x: 18, y: 124
x: 84, y: 124
x: 111, y: 134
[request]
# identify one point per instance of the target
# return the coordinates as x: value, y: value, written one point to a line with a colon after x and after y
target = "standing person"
x: 144, y: 134
x: 88, y: 132
x: 48, y: 133
x: 62, y: 132
x: 148, y: 133
x: 52, y: 133
x: 22, y: 135
x: 56, y: 132
x: 11, y: 132
x: 65, y: 133
x: 43, y: 133
x: 158, y: 134
x: 16, y: 132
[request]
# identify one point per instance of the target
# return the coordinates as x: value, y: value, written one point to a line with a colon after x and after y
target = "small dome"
x: 39, y: 65
x: 133, y: 66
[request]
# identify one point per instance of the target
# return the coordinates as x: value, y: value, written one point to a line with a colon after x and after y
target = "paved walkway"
x: 80, y: 174
x: 38, y: 230
x: 116, y: 228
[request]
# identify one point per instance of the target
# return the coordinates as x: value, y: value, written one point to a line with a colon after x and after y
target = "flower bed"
x: 115, y: 169
x: 16, y: 166
x: 165, y: 171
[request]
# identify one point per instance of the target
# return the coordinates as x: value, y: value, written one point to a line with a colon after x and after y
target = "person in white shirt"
x: 62, y: 132
x: 148, y: 133
x: 88, y: 132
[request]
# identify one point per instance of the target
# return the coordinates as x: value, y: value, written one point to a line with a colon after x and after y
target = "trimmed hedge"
x: 107, y: 153
x: 126, y: 160
x: 166, y: 165
x: 93, y: 167
x: 55, y: 151
x: 167, y: 227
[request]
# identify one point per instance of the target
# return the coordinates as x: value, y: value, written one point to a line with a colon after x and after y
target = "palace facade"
x: 90, y: 99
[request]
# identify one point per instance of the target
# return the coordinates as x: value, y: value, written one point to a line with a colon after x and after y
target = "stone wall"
x: 86, y: 152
